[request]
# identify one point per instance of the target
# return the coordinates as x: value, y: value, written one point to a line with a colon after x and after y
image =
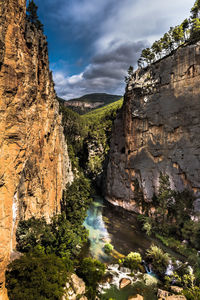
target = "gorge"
x: 58, y: 167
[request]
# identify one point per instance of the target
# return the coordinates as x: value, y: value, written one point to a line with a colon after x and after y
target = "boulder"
x: 176, y: 297
x: 162, y: 295
x: 176, y: 289
x: 124, y: 282
x: 78, y: 285
x: 136, y: 297
x: 150, y: 280
x: 75, y: 287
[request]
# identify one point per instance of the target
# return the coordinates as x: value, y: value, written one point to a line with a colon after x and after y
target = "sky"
x: 92, y: 43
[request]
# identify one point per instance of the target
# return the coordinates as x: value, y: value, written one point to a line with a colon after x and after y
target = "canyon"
x: 158, y: 130
x: 35, y: 166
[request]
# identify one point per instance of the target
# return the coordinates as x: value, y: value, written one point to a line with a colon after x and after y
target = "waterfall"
x: 14, y: 217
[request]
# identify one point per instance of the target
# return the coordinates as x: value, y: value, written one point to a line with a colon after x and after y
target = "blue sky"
x: 93, y: 42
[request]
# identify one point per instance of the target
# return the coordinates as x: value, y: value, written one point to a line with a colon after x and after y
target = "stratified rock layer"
x: 158, y: 130
x: 34, y: 163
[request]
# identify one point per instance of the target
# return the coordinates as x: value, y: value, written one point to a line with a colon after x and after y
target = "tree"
x: 36, y: 276
x: 178, y: 34
x: 130, y: 74
x: 195, y: 31
x: 157, y: 48
x: 91, y: 271
x: 164, y: 199
x: 185, y: 26
x: 195, y: 10
x: 76, y: 200
x: 32, y: 15
x: 158, y: 259
x: 166, y: 42
x: 147, y: 55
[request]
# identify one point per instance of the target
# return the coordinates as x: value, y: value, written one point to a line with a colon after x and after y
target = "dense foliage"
x: 49, y: 249
x: 65, y: 235
x: 37, y: 276
x: 76, y: 200
x: 91, y: 271
x: 88, y: 137
x: 97, y: 142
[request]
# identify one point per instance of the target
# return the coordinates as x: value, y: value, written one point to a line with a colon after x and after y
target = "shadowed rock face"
x: 34, y: 163
x: 158, y: 130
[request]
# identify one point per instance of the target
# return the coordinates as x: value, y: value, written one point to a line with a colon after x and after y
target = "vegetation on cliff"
x: 187, y: 32
x: 37, y: 276
x: 32, y: 16
x: 50, y: 248
x: 88, y: 137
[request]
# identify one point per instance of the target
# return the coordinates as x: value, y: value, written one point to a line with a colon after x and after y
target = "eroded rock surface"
x: 158, y: 130
x: 34, y: 163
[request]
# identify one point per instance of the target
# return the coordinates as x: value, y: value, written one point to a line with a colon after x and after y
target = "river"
x: 109, y: 224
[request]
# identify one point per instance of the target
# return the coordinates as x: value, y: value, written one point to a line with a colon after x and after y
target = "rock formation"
x: 34, y: 163
x: 158, y: 130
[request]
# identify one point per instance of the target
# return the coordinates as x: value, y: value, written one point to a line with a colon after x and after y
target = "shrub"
x: 91, y: 270
x: 158, y: 259
x: 108, y: 248
x: 132, y: 260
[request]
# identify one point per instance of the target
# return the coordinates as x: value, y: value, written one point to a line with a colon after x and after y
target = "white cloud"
x: 118, y: 25
x: 105, y: 73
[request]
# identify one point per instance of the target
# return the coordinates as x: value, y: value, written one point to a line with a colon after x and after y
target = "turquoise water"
x: 109, y: 224
x: 98, y: 233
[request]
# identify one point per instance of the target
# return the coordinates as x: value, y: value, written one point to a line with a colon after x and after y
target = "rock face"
x: 158, y: 130
x: 75, y: 289
x: 34, y: 163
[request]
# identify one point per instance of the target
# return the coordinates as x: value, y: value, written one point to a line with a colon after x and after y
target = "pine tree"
x: 32, y: 15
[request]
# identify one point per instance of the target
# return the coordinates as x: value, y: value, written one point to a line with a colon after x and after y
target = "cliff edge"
x: 34, y: 163
x: 158, y: 130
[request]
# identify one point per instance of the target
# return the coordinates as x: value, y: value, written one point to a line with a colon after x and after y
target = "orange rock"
x: 124, y: 282
x: 34, y: 163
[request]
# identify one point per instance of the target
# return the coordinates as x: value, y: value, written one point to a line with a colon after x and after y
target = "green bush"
x: 76, y: 200
x: 37, y: 276
x: 91, y: 271
x: 158, y: 259
x: 60, y: 236
x: 108, y: 248
x: 132, y: 260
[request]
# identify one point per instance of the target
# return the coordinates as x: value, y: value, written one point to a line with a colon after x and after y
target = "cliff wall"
x: 34, y: 163
x: 158, y: 130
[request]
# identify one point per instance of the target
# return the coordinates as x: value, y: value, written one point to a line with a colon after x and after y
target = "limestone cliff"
x: 34, y: 163
x: 158, y: 130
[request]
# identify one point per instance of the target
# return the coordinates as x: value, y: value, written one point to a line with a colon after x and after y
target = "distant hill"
x: 89, y: 102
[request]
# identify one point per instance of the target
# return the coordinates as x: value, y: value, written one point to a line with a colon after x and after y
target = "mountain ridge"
x: 88, y: 102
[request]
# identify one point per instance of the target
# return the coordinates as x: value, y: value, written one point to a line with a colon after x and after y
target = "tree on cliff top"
x: 32, y: 15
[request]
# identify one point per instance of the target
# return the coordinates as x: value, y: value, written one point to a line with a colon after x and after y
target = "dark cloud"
x: 105, y: 74
x: 98, y: 39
